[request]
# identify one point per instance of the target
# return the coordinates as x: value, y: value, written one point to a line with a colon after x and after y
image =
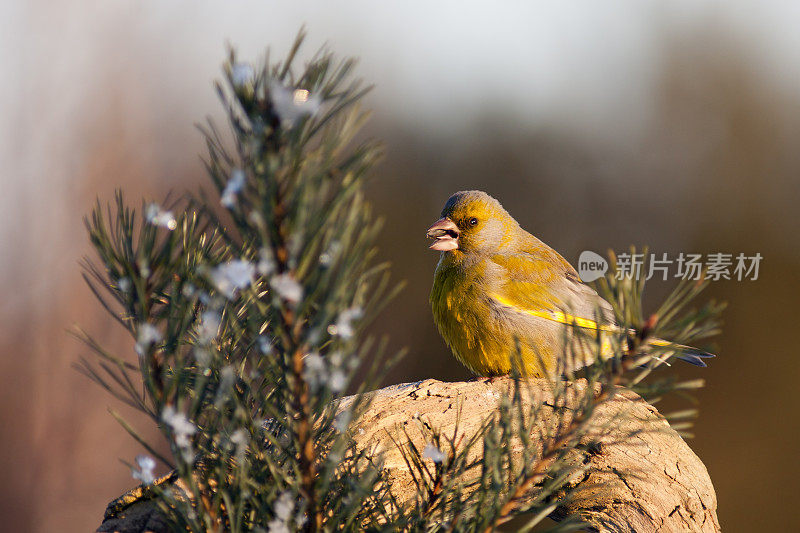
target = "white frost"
x: 240, y: 440
x: 157, y: 216
x: 147, y: 335
x: 342, y: 421
x: 124, y: 284
x: 233, y: 188
x: 338, y: 381
x: 315, y: 371
x: 242, y: 74
x: 284, y: 506
x: 433, y: 453
x: 209, y: 326
x: 264, y: 344
x: 293, y: 104
x: 231, y: 276
x: 344, y: 325
x: 287, y: 288
x: 181, y: 428
x: 145, y: 473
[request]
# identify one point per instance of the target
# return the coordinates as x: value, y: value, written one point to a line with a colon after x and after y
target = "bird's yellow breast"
x: 476, y: 330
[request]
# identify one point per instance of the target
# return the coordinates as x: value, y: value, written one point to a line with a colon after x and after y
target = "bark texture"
x: 650, y: 482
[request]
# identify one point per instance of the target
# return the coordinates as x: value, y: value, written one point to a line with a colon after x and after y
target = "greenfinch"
x: 499, y: 291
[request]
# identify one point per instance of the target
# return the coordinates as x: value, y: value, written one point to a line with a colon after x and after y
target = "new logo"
x: 591, y: 266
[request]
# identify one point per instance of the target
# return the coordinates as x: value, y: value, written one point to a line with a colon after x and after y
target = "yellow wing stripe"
x: 662, y: 342
x: 572, y: 320
x: 556, y: 316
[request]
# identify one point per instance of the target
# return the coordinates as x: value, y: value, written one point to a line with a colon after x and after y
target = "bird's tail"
x: 686, y: 353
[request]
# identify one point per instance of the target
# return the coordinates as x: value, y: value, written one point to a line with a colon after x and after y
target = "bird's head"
x: 472, y: 222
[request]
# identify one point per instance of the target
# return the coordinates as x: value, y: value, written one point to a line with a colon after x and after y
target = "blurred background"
x: 598, y: 125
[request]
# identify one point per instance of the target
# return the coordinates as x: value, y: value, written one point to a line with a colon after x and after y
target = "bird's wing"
x: 546, y: 286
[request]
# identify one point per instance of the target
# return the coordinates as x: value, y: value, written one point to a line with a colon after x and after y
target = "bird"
x: 501, y: 296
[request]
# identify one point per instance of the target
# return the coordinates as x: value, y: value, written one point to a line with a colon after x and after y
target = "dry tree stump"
x: 649, y: 482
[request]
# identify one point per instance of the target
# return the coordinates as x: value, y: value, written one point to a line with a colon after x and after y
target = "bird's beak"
x: 445, y: 234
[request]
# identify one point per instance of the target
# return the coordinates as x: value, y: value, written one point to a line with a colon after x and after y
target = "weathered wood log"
x: 651, y: 481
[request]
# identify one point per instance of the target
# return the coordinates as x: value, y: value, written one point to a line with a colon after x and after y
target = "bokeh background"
x: 597, y: 124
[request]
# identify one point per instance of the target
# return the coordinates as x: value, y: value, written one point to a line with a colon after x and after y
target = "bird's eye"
x: 473, y: 221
